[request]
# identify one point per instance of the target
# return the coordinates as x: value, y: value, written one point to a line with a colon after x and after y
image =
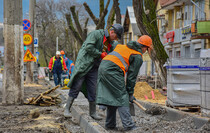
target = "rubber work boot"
x: 68, y: 106
x: 92, y: 110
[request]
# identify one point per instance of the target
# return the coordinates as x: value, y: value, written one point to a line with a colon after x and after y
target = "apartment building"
x: 184, y: 27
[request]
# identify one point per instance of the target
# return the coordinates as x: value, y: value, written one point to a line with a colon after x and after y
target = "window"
x: 187, y: 51
x: 177, y: 54
x: 172, y: 24
x: 187, y: 15
x: 200, y: 15
x: 197, y: 52
x: 127, y: 37
x: 170, y: 53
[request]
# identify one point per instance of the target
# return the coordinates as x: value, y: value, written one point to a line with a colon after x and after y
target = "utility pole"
x: 13, y: 90
x: 30, y: 65
x: 56, y: 44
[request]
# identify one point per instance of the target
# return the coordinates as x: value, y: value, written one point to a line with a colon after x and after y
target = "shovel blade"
x: 132, y: 109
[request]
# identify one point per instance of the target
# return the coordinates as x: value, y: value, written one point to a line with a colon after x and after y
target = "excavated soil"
x: 20, y: 119
x: 143, y: 89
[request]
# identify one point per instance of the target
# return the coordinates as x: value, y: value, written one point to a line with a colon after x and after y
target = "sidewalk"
x: 88, y: 124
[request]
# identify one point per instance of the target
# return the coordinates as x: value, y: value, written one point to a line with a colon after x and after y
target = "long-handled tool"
x: 154, y: 110
x: 139, y: 105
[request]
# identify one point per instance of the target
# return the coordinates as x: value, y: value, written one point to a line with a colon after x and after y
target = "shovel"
x: 152, y: 111
x: 139, y: 105
x: 132, y: 109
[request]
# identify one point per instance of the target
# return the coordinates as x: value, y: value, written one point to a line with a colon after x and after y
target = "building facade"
x: 184, y: 27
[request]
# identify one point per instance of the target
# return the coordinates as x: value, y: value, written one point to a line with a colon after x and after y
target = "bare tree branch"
x: 101, y: 23
x: 87, y: 8
x: 71, y: 27
x: 101, y: 7
x: 79, y: 28
x: 117, y: 11
x: 110, y: 19
x: 86, y: 22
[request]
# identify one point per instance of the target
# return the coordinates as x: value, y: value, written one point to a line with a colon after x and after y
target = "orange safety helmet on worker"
x: 145, y: 40
x: 121, y: 58
x: 62, y: 52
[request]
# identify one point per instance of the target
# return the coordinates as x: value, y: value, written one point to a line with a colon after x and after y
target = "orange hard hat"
x: 145, y: 40
x: 62, y: 52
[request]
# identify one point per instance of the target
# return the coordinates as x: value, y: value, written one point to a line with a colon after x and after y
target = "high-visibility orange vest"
x: 120, y: 56
x: 72, y: 64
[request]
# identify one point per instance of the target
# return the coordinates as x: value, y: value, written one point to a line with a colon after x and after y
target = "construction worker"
x: 65, y: 74
x: 111, y: 88
x: 94, y: 48
x: 71, y: 68
x: 57, y: 65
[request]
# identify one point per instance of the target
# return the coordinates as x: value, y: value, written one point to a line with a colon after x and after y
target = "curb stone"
x: 87, y: 125
x: 174, y: 115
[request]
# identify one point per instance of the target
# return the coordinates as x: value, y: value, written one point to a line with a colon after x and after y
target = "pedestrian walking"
x: 57, y: 65
x: 94, y: 48
x: 112, y: 91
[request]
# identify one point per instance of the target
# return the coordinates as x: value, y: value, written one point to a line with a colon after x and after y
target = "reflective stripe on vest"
x: 121, y: 59
x: 54, y: 62
x: 120, y: 56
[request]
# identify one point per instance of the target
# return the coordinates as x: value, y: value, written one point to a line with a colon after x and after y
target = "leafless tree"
x: 51, y: 24
x: 145, y: 13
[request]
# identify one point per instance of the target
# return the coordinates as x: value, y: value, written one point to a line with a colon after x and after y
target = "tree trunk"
x: 118, y: 15
x: 30, y: 65
x: 146, y: 21
x: 13, y: 90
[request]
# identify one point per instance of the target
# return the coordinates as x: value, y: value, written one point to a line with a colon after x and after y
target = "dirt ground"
x: 147, y: 123
x: 17, y: 119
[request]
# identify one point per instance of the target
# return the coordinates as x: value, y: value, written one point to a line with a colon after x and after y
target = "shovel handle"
x: 139, y: 105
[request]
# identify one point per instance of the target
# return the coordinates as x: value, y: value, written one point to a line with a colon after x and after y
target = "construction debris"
x: 45, y: 99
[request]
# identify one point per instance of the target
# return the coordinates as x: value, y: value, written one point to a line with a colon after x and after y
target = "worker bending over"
x: 111, y: 88
x: 85, y: 73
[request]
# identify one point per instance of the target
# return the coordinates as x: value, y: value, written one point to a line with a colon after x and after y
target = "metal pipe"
x: 56, y: 44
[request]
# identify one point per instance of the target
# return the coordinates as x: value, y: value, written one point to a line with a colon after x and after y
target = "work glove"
x: 103, y: 55
x: 131, y: 98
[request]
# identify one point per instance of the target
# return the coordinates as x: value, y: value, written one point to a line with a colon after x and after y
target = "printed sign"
x: 35, y: 42
x: 28, y: 56
x: 26, y: 25
x: 27, y: 39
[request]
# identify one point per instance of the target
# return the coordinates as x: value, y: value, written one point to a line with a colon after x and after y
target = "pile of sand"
x: 143, y: 88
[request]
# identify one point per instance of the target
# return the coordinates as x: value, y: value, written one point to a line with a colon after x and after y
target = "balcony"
x: 200, y: 30
x: 170, y: 4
